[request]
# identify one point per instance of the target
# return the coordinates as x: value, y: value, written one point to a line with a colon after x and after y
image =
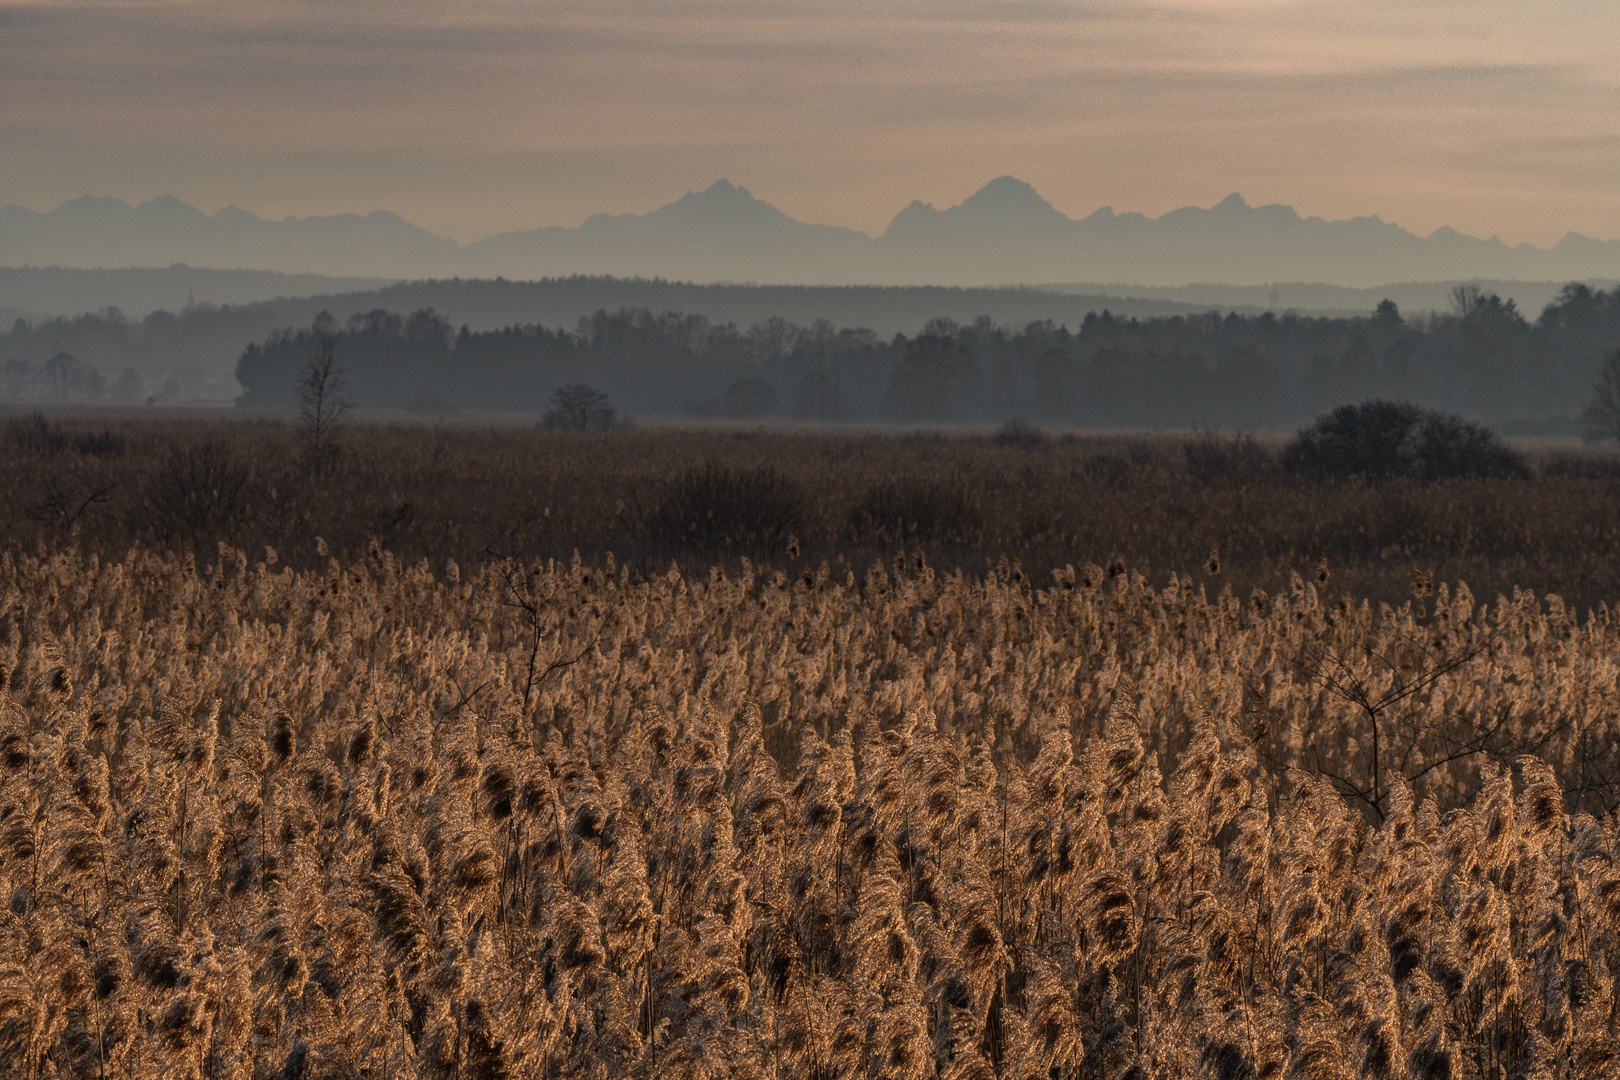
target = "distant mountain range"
x: 1005, y: 233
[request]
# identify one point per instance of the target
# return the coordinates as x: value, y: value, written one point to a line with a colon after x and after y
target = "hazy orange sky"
x: 479, y: 116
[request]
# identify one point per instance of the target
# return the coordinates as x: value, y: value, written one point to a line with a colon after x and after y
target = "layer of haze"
x: 479, y: 116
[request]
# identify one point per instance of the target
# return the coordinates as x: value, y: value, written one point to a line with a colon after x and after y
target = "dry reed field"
x: 388, y: 819
x: 405, y: 804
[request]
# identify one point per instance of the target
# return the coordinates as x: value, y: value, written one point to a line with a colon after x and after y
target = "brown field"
x: 817, y: 800
x: 1160, y: 504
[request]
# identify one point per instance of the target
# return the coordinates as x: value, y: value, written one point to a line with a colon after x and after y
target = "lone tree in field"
x: 579, y: 407
x: 1388, y: 440
x: 1602, y: 413
x: 323, y: 402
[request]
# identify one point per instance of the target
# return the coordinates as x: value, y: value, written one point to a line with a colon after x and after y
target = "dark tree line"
x: 164, y: 356
x: 1484, y: 360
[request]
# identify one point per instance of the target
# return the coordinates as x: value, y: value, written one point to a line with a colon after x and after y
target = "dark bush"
x: 34, y: 434
x: 907, y: 512
x: 1019, y: 433
x: 199, y: 490
x: 1373, y: 440
x: 100, y: 444
x: 1236, y: 459
x: 1449, y: 446
x: 1385, y: 440
x: 713, y: 508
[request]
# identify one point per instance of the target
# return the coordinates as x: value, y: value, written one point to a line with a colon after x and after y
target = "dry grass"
x: 391, y: 818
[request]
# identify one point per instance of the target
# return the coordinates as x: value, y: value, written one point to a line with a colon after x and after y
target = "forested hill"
x: 1486, y: 361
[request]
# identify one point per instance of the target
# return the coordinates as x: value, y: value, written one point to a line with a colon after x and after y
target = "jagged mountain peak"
x: 720, y: 194
x: 722, y: 188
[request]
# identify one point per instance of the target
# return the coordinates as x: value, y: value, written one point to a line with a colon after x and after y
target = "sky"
x: 479, y: 116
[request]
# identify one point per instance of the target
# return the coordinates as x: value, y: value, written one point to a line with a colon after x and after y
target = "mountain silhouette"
x: 93, y: 233
x: 721, y: 233
x: 1004, y: 233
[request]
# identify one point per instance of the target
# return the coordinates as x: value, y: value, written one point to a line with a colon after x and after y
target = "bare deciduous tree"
x: 323, y: 403
x: 1602, y: 413
x: 579, y: 407
x: 1378, y: 678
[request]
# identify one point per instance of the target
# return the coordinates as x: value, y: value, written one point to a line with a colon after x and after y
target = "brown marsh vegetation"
x: 1161, y: 504
x: 367, y: 808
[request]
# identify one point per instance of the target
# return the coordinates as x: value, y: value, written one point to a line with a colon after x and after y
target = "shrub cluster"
x: 33, y: 434
x: 198, y: 489
x: 714, y: 509
x: 1159, y: 502
x: 1380, y: 441
x: 1236, y: 459
x: 901, y: 513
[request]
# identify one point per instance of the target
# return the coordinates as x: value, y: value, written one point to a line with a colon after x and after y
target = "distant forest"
x: 189, y: 354
x: 1486, y: 361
